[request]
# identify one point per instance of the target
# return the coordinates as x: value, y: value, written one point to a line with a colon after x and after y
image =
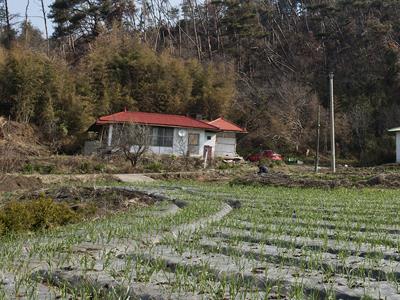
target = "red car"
x: 266, y: 154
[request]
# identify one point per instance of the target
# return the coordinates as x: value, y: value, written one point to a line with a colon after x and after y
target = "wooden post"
x: 318, y: 138
x: 332, y: 111
x: 110, y: 133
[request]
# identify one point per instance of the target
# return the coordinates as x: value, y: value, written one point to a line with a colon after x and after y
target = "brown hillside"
x: 18, y: 141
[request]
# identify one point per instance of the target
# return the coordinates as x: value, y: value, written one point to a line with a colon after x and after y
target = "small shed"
x: 226, y: 141
x: 397, y: 131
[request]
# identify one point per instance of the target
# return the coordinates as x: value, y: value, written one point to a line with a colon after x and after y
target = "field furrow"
x: 265, y: 275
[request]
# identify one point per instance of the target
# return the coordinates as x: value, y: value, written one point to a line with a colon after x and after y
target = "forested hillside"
x: 262, y: 63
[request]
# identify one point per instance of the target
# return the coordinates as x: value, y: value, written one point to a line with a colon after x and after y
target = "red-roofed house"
x: 175, y: 134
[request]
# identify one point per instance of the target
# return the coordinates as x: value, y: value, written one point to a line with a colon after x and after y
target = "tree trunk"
x: 26, y: 23
x: 133, y: 162
x: 196, y: 37
x: 8, y: 25
x: 45, y: 27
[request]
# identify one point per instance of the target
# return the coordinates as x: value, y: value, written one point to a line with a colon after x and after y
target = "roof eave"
x: 106, y: 122
x: 235, y: 131
x: 396, y: 129
x: 239, y: 130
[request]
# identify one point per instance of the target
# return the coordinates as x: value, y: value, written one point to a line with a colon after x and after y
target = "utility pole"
x: 332, y: 111
x: 318, y: 138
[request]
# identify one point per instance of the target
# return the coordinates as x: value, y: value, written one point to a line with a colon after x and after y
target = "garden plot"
x: 346, y: 251
x: 85, y: 252
x: 215, y: 241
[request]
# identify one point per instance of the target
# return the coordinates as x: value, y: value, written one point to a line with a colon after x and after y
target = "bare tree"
x: 7, y: 22
x: 45, y: 27
x: 26, y: 22
x: 293, y: 112
x: 182, y: 145
x: 360, y: 115
x: 133, y: 141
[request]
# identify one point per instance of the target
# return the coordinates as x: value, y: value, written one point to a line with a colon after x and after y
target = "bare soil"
x: 22, y: 139
x: 348, y: 180
x: 95, y: 201
x: 18, y: 182
x: 9, y: 183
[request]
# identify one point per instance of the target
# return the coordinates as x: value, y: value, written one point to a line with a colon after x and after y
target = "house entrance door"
x: 194, y: 143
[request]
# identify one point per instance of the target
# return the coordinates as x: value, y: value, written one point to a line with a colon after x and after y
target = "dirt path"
x: 191, y: 227
x: 132, y: 178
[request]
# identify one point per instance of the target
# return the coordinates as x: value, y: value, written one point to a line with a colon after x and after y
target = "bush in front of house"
x: 169, y: 163
x: 30, y: 168
x: 33, y: 215
x: 154, y: 166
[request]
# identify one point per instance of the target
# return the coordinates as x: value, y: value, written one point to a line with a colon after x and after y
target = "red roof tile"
x: 155, y: 119
x: 225, y: 125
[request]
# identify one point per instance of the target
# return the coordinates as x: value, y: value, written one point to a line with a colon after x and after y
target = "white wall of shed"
x: 226, y: 145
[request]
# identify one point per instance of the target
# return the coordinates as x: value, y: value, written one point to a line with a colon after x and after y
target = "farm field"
x: 217, y: 241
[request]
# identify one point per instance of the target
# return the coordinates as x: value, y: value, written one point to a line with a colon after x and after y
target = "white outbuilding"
x: 397, y: 131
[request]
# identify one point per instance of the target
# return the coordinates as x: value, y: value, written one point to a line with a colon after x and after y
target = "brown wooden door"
x: 194, y: 143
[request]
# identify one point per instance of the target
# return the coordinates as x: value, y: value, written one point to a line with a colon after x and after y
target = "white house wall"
x: 202, y: 139
x: 211, y: 142
x: 161, y: 150
x: 223, y: 144
x: 180, y: 144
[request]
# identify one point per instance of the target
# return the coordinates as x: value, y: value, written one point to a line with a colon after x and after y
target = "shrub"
x: 47, y: 169
x: 155, y: 167
x: 100, y: 168
x: 28, y: 168
x: 276, y: 163
x: 2, y: 228
x: 41, y: 169
x: 33, y: 215
x: 221, y: 165
x: 84, y: 167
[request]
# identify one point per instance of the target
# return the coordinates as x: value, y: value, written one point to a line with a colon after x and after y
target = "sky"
x: 17, y: 7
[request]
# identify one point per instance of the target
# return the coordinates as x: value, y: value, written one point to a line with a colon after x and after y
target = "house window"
x: 208, y: 137
x: 162, y: 137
